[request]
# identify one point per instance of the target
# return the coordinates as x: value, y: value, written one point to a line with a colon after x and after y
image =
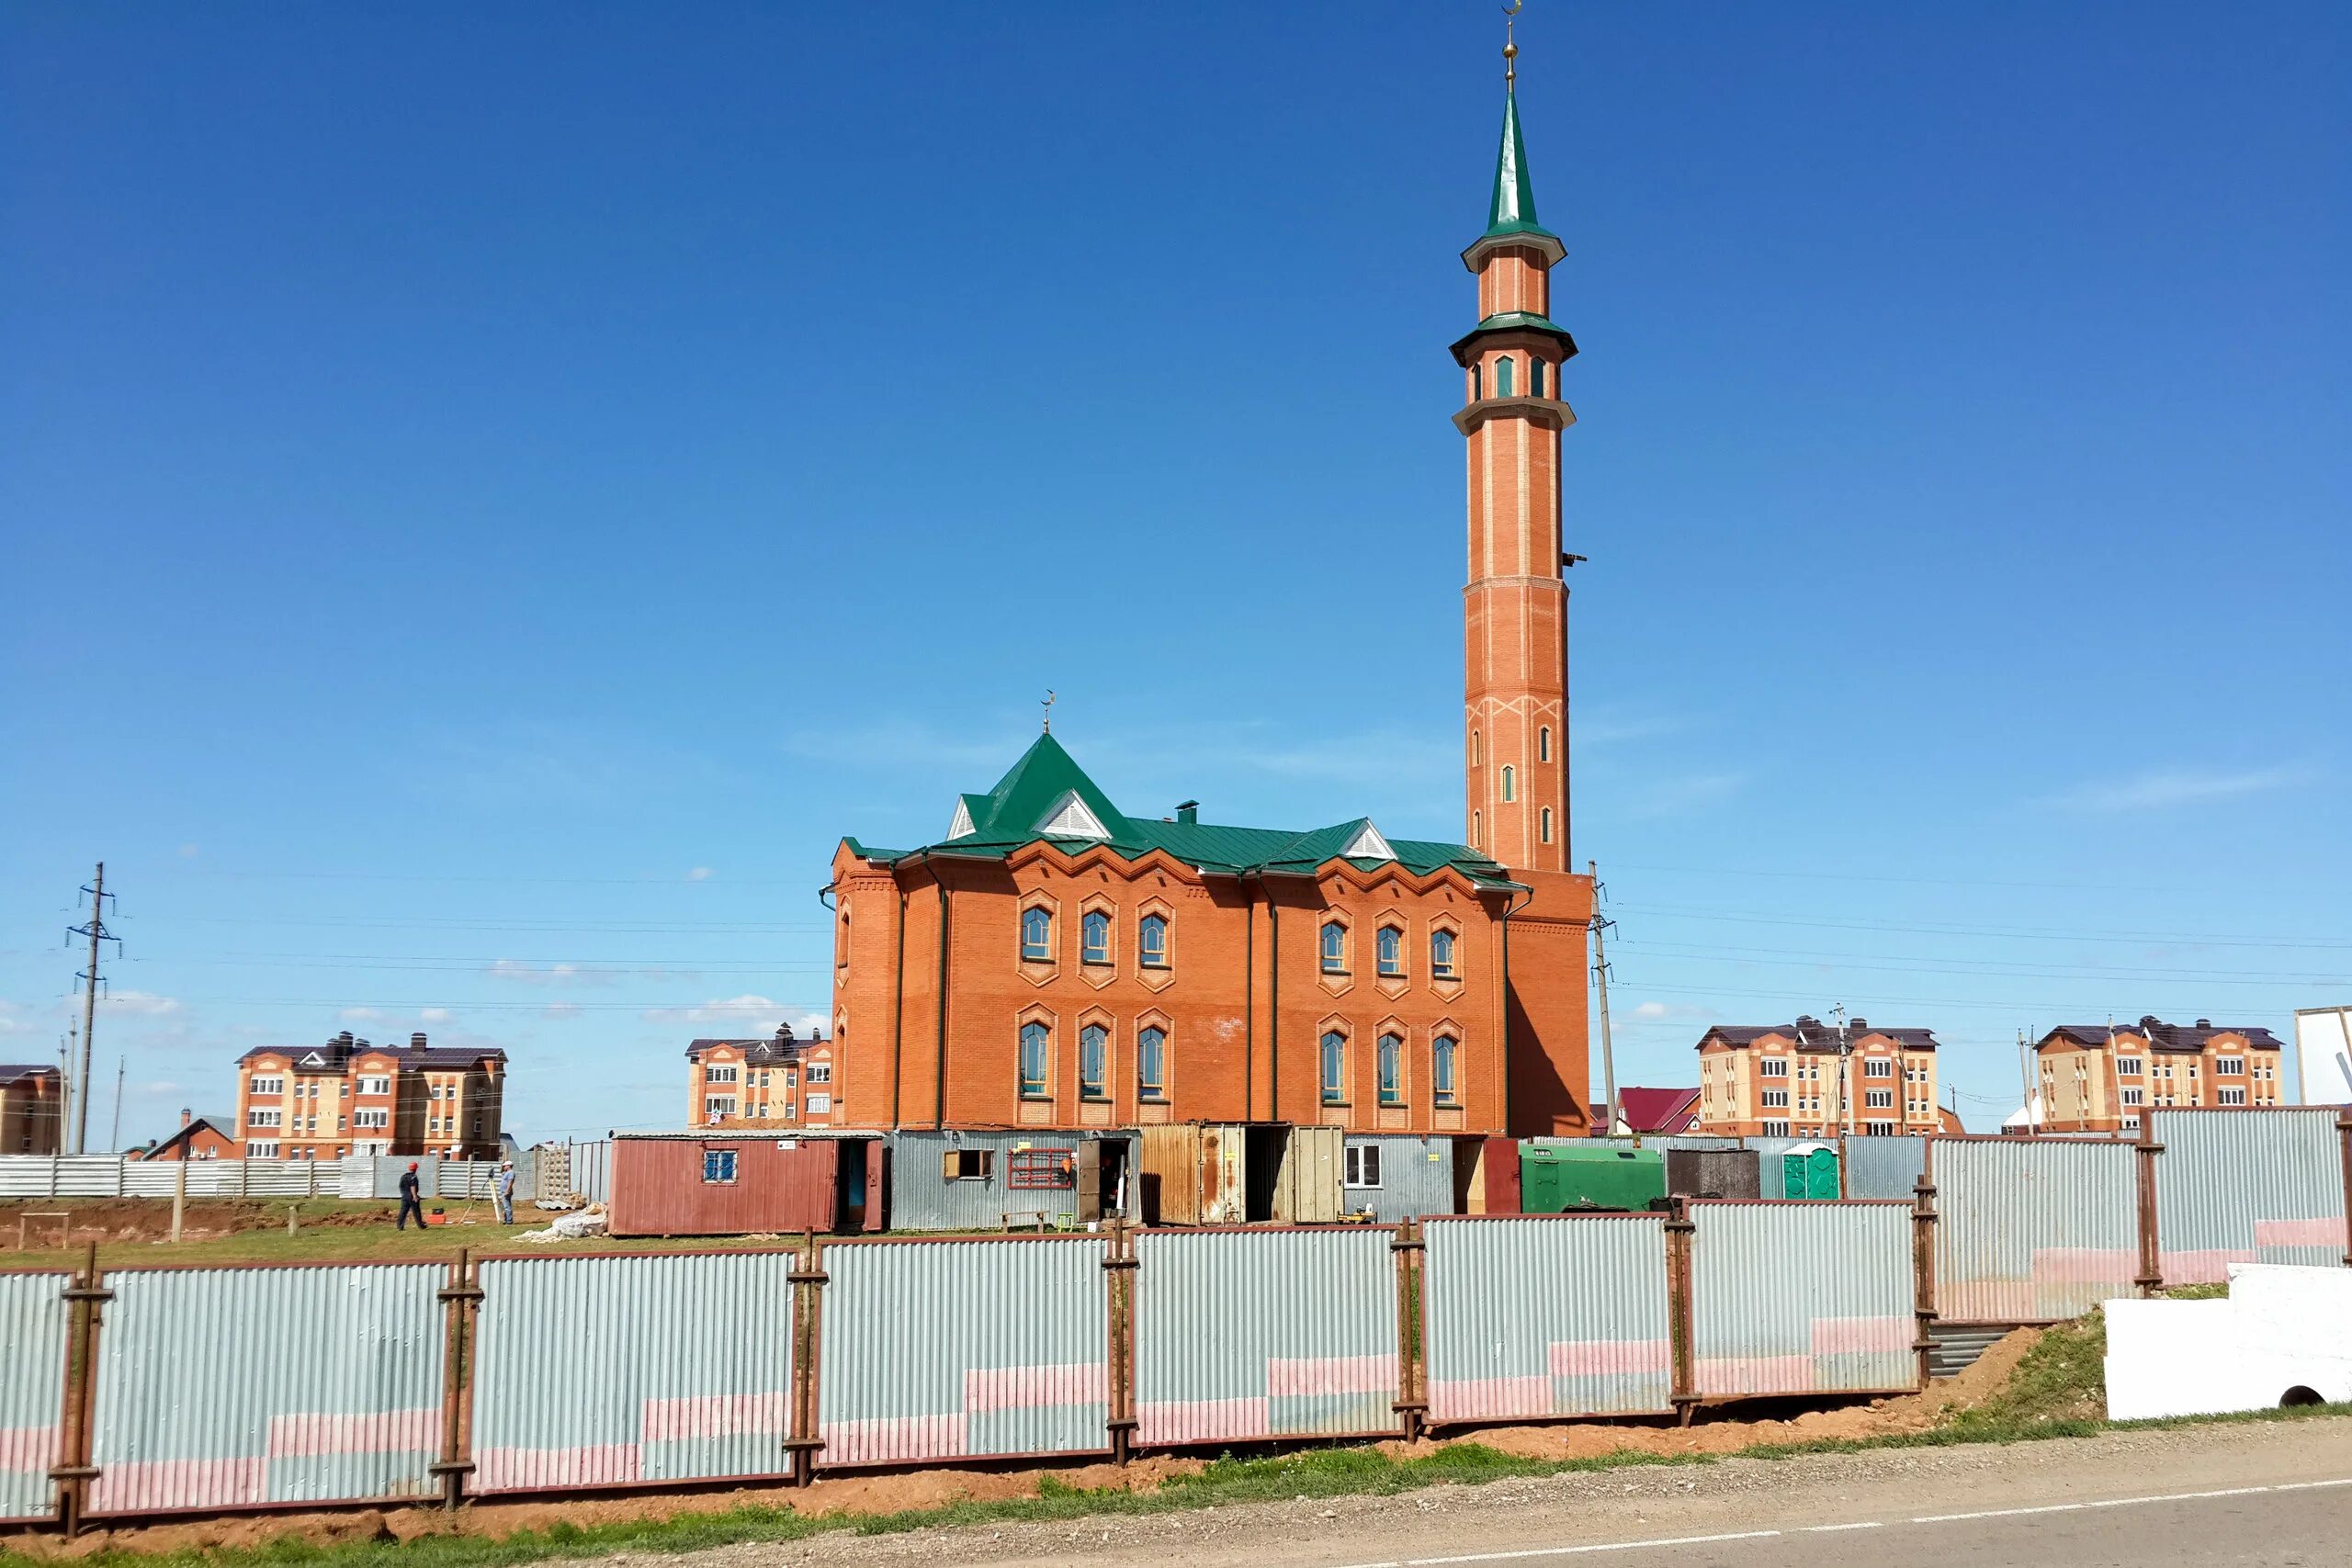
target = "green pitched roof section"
x: 1048, y: 797
x: 1515, y: 322
x: 1513, y: 209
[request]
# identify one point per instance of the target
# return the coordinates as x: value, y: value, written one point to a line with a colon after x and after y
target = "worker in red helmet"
x: 410, y: 1203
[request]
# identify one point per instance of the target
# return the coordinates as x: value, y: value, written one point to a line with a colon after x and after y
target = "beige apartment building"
x: 348, y: 1097
x: 781, y: 1080
x: 2098, y: 1078
x: 1784, y: 1080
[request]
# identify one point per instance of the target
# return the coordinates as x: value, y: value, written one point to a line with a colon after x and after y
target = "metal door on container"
x: 1089, y: 1180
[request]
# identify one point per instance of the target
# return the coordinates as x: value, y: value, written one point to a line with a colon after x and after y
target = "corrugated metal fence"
x: 1565, y: 1315
x: 1803, y: 1297
x: 2033, y: 1229
x: 1247, y: 1335
x: 2246, y: 1187
x: 32, y: 1388
x: 1882, y: 1167
x: 359, y: 1176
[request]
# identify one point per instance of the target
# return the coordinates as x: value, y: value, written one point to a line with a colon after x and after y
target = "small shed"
x: 1714, y: 1173
x: 1393, y: 1179
x: 713, y: 1182
x: 989, y: 1180
x: 1809, y: 1170
x: 1198, y: 1173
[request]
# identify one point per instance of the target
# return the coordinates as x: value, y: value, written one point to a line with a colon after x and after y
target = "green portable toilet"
x: 1559, y: 1179
x: 1810, y: 1170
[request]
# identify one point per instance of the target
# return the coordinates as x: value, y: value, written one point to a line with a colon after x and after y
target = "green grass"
x: 1318, y: 1474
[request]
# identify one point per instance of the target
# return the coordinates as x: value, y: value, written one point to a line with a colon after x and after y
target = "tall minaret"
x: 1515, y: 610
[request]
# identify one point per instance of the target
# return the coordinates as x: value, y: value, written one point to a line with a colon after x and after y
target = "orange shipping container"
x: 723, y: 1184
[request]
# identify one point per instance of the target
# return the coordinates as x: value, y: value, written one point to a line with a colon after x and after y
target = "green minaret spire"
x: 1513, y: 210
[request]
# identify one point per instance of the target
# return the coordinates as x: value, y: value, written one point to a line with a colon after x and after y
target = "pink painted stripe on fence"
x: 2085, y: 1265
x: 2299, y: 1233
x: 894, y: 1437
x: 180, y: 1483
x: 1201, y: 1420
x: 596, y: 1464
x: 2200, y: 1268
x: 1463, y: 1398
x: 1026, y: 1388
x: 1858, y: 1336
x: 1604, y: 1357
x: 710, y: 1415
x: 1755, y: 1374
x: 1289, y: 1379
x: 386, y: 1431
x: 1990, y: 1300
x: 33, y: 1449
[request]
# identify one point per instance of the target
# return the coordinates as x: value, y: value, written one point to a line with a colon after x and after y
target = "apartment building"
x: 780, y: 1079
x: 32, y: 1109
x: 1785, y: 1079
x: 348, y: 1097
x: 2098, y: 1078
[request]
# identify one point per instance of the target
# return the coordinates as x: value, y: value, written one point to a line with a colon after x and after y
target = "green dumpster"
x: 1557, y: 1178
x: 1810, y: 1170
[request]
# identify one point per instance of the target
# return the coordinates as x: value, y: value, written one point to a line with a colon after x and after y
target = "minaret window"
x: 1502, y: 377
x: 1478, y: 383
x: 1543, y: 744
x: 1476, y: 752
x: 1535, y: 376
x: 1474, y: 829
x: 1547, y: 824
x: 1509, y: 793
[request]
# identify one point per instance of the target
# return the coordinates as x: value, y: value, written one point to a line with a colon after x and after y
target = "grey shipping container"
x: 1306, y: 1188
x: 1398, y: 1179
x: 974, y: 1180
x: 1714, y: 1173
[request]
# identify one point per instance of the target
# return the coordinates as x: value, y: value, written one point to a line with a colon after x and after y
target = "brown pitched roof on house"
x: 18, y: 1072
x: 334, y: 1055
x: 224, y: 1126
x: 1814, y: 1035
x: 2162, y: 1036
x: 767, y: 1045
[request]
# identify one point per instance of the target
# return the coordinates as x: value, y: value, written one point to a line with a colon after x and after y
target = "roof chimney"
x: 1188, y: 811
x: 2204, y: 1023
x: 416, y: 1040
x: 343, y: 1039
x: 1862, y: 1024
x: 185, y: 1116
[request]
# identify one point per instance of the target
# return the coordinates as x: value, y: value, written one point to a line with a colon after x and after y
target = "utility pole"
x: 2025, y: 1084
x: 96, y: 932
x: 1845, y: 1073
x: 66, y: 1083
x: 121, y: 1070
x: 1600, y: 975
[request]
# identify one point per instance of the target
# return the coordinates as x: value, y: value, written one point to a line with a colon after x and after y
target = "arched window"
x: 1535, y: 376
x: 1443, y: 1089
x: 1392, y: 1070
x: 1093, y: 1069
x: 1033, y: 1061
x: 1543, y: 744
x: 1441, y: 955
x: 1152, y: 1063
x: 1037, y: 936
x: 1391, y: 951
x: 1094, y: 937
x: 1478, y: 383
x: 1151, y: 942
x: 1476, y: 752
x: 1475, y: 828
x: 1509, y: 792
x: 1335, y: 948
x: 1502, y: 377
x: 1546, y: 816
x: 844, y: 957
x: 1335, y: 1069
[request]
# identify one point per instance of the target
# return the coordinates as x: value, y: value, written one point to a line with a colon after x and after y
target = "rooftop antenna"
x: 1510, y: 46
x: 1048, y: 706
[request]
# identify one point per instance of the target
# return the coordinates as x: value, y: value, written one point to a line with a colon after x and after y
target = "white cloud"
x: 746, y: 1015
x: 2160, y: 788
x: 359, y: 1015
x: 1653, y: 1011
x: 561, y: 1010
x: 810, y: 1023
x: 548, y: 974
x: 12, y: 1018
x: 1692, y: 792
x: 699, y: 873
x: 434, y: 1015
x: 145, y: 1003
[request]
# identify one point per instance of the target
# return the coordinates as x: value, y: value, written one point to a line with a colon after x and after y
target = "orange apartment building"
x: 348, y: 1097
x: 783, y: 1080
x: 1053, y: 961
x: 32, y: 1109
x: 2099, y: 1077
x: 1784, y: 1080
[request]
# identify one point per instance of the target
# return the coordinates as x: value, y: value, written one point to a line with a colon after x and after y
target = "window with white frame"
x: 1442, y: 1082
x: 1878, y: 1068
x: 261, y: 1151
x: 1775, y: 1099
x: 376, y: 1086
x: 2134, y: 1095
x: 719, y: 1107
x: 821, y: 1072
x: 1335, y: 948
x: 1151, y: 942
x: 1037, y: 935
x: 269, y: 1086
x: 265, y: 1117
x: 717, y: 1166
x: 1441, y: 945
x: 719, y: 1075
x: 1773, y: 1068
x: 2229, y: 1066
x: 1388, y: 947
x: 1094, y: 937
x: 1776, y: 1129
x: 365, y: 1119
x: 2126, y: 1066
x: 2230, y: 1096
x: 1879, y: 1098
x: 1361, y: 1166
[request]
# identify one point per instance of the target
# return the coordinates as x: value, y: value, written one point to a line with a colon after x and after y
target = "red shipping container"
x: 730, y: 1184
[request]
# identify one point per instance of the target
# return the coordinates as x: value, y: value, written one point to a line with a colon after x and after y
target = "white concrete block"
x: 2282, y: 1330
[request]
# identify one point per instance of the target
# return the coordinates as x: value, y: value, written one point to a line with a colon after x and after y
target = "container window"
x: 719, y: 1165
x: 966, y: 1165
x: 1362, y: 1166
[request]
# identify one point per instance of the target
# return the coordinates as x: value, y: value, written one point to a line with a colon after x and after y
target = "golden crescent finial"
x: 1511, y: 45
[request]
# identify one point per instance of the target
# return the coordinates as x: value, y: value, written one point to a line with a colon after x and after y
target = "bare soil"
x: 898, y: 1491
x: 149, y: 1219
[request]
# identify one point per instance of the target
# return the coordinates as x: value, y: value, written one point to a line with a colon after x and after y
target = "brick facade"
x: 780, y: 1080
x: 32, y: 1109
x: 350, y: 1097
x: 2098, y: 1079
x: 1784, y: 1081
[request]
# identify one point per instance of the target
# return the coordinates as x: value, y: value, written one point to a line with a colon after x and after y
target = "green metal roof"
x: 1039, y: 792
x: 1514, y: 320
x: 1512, y: 211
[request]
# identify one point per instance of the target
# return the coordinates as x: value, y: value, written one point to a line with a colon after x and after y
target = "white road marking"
x: 1858, y: 1525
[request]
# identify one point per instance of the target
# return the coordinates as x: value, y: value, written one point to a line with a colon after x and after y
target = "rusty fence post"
x: 1410, y: 1250
x: 2344, y: 1135
x: 1122, y: 1267
x: 2150, y: 1278
x: 460, y: 1298
x: 1680, y: 1231
x: 73, y: 1473
x: 808, y: 1280
x: 1922, y: 1269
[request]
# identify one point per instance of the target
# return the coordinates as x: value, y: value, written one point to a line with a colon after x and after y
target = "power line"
x: 2019, y: 933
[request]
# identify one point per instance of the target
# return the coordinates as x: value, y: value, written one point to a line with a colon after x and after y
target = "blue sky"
x: 491, y: 496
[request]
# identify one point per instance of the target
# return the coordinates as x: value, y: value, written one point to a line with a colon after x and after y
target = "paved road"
x: 2240, y: 1496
